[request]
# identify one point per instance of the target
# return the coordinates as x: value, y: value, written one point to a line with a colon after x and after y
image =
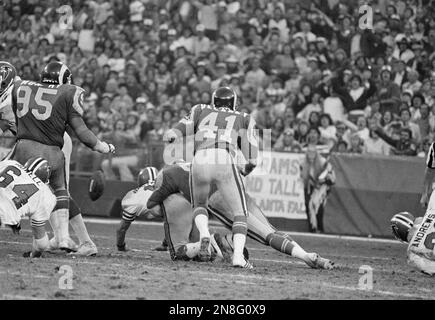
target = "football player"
x: 219, y: 130
x: 86, y: 247
x: 23, y: 192
x: 178, y: 221
x: 168, y: 195
x: 419, y: 233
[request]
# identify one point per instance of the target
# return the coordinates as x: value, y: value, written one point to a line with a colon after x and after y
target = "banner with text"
x: 277, y: 187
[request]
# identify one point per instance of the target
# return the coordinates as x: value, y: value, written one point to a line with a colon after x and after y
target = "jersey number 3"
x: 23, y: 191
x: 41, y: 108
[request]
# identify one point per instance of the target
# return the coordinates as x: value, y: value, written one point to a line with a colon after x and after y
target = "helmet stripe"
x: 62, y: 73
x: 35, y: 163
x: 405, y: 220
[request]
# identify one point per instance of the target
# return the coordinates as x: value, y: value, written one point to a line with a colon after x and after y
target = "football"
x: 96, y: 186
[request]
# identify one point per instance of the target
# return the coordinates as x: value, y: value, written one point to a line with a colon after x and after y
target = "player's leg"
x: 231, y: 187
x: 25, y: 149
x: 261, y: 230
x: 200, y: 180
x: 178, y: 217
x: 86, y: 246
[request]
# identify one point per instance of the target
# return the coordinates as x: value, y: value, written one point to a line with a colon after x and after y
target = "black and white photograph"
x: 217, y: 155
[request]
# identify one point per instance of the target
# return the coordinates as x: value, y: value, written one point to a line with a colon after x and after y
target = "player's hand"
x: 32, y: 254
x: 170, y: 136
x: 104, y: 147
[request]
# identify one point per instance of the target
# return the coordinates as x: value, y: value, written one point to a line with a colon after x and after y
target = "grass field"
x: 146, y: 274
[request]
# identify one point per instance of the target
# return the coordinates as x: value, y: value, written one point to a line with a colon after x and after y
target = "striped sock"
x: 240, y: 229
x: 282, y: 242
x: 201, y: 221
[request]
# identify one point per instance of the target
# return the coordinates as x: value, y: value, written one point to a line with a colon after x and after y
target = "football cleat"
x: 401, y: 223
x: 317, y: 262
x: 69, y: 246
x: 204, y: 253
x: 228, y: 240
x: 244, y: 264
x: 223, y: 249
x: 162, y: 247
x: 87, y: 249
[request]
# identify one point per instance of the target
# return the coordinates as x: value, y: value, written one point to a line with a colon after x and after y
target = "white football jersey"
x: 421, y: 248
x: 135, y: 201
x: 23, y: 194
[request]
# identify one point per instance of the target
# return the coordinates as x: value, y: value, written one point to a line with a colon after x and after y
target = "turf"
x: 147, y: 274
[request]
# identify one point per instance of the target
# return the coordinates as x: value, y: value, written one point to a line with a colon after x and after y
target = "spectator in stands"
x: 280, y: 58
x: 318, y: 177
x: 287, y: 142
x: 356, y: 144
x: 375, y: 145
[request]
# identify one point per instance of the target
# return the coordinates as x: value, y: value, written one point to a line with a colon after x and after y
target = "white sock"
x: 201, y: 222
x: 63, y: 224
x: 192, y: 249
x: 298, y: 252
x: 239, y: 241
x: 41, y: 244
x: 79, y: 228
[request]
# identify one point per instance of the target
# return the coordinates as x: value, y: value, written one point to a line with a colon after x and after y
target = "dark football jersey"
x: 172, y: 179
x: 220, y: 128
x: 44, y: 110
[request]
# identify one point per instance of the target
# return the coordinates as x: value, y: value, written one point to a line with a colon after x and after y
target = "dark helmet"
x: 401, y: 223
x: 56, y: 73
x: 224, y: 97
x: 7, y: 76
x: 39, y: 167
x: 147, y: 176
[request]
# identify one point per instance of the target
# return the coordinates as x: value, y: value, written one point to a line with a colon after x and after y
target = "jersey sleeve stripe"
x: 430, y: 157
x: 77, y: 101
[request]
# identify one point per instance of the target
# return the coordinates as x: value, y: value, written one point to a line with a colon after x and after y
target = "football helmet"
x: 147, y: 176
x: 224, y: 97
x: 401, y: 223
x: 39, y: 167
x: 7, y: 76
x: 56, y: 73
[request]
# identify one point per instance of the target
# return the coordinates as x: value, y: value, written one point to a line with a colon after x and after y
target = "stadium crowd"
x: 307, y: 70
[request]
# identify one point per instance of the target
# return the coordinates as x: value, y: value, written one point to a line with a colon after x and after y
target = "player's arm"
x: 185, y: 127
x: 249, y: 146
x: 75, y: 121
x: 429, y: 176
x: 163, y: 189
